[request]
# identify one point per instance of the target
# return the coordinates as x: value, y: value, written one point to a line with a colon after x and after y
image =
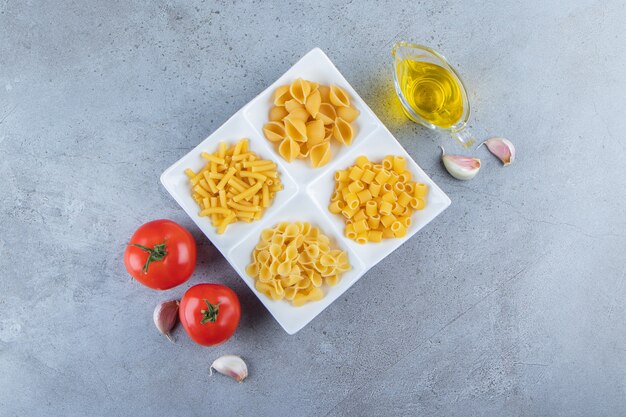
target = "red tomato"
x: 209, y: 313
x: 161, y: 255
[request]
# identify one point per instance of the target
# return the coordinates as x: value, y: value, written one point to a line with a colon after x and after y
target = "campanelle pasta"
x: 234, y: 185
x: 293, y: 260
x: 376, y: 199
x: 306, y: 116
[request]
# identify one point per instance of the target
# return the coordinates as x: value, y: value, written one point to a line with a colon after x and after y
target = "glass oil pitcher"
x: 430, y: 91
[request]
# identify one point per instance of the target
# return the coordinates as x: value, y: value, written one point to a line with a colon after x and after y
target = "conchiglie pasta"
x: 377, y: 200
x: 281, y: 95
x: 277, y: 114
x: 338, y: 97
x: 311, y: 115
x: 296, y: 268
x: 300, y: 89
x: 289, y: 149
x: 274, y: 131
x: 320, y: 154
x: 349, y: 114
x: 313, y: 102
x: 343, y: 132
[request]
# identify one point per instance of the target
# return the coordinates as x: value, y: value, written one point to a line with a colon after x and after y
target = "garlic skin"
x: 460, y: 167
x: 165, y: 317
x: 230, y: 365
x: 502, y: 148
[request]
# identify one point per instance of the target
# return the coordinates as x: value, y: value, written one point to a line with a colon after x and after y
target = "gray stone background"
x: 512, y: 302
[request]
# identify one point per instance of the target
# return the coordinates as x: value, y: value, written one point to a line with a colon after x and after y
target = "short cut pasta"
x: 377, y: 200
x: 292, y: 260
x: 234, y: 185
x: 304, y: 119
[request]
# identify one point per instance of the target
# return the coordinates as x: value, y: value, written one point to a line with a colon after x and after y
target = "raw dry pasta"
x: 306, y: 116
x: 293, y: 260
x: 234, y: 185
x: 377, y: 200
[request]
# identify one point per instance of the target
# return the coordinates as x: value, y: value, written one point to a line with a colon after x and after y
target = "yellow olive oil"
x: 432, y: 91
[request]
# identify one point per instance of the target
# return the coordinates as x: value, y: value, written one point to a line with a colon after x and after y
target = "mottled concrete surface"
x: 511, y: 303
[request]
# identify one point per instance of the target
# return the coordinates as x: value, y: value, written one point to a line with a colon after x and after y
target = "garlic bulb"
x: 460, y: 167
x: 502, y: 148
x: 230, y: 365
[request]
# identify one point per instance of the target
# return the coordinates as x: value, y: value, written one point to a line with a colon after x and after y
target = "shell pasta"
x: 304, y: 119
x: 293, y: 260
x: 234, y: 185
x: 377, y: 200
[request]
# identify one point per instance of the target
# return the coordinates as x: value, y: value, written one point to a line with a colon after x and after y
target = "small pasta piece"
x: 374, y: 236
x: 277, y: 114
x: 356, y: 187
x: 361, y: 238
x: 299, y: 90
x: 338, y: 96
x: 421, y: 190
x: 314, y: 132
x: 289, y: 149
x: 341, y: 176
x: 398, y: 229
x: 343, y: 131
x: 399, y: 164
x: 385, y: 208
x: 336, y: 206
x: 404, y: 199
x: 326, y: 113
x: 313, y: 103
x: 368, y: 176
x: 371, y: 208
x: 349, y: 114
x: 320, y: 154
x: 374, y: 189
x: 373, y: 222
x: 388, y: 220
x: 295, y: 129
x: 364, y: 196
x: 292, y: 105
x: 298, y: 113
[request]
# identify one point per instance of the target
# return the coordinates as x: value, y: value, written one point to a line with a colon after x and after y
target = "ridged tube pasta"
x: 311, y: 115
x: 296, y: 265
x: 379, y: 199
x: 234, y: 185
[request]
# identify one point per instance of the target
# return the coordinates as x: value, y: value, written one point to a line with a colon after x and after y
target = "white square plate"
x: 307, y: 190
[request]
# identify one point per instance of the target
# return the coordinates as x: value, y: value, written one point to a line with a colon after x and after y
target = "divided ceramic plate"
x: 306, y: 191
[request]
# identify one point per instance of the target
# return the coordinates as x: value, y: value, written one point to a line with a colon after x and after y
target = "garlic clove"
x: 165, y: 317
x: 230, y: 365
x: 460, y: 167
x: 502, y: 148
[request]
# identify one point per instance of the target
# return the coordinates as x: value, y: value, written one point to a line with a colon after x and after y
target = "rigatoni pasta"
x: 234, y: 185
x: 376, y: 200
x: 293, y: 260
x: 306, y: 116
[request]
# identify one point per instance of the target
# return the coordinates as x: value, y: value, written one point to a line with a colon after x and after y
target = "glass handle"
x: 464, y: 137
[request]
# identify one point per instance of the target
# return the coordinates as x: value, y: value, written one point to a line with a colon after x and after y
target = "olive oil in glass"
x: 431, y: 93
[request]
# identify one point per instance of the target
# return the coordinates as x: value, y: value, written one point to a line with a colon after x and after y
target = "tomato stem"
x: 210, y: 314
x: 157, y: 253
